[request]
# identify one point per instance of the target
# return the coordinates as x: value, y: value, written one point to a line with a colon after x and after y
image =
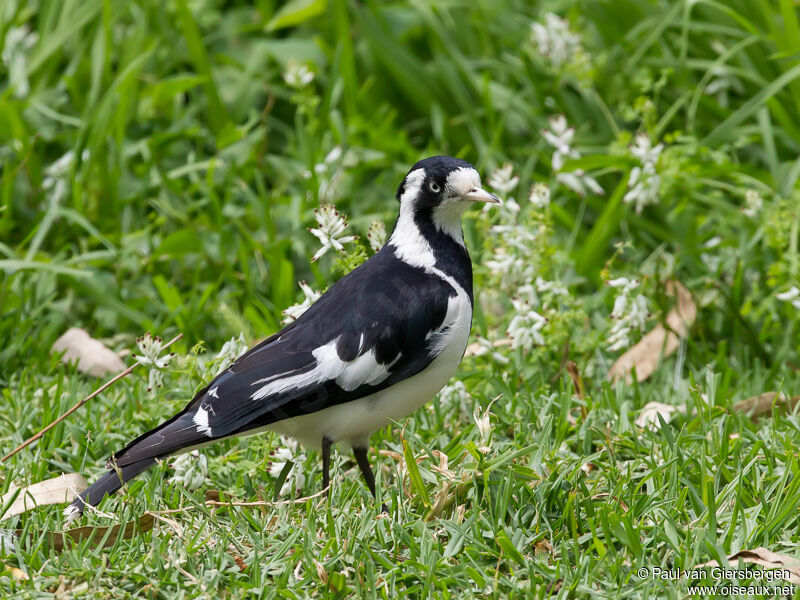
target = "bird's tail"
x: 107, y: 484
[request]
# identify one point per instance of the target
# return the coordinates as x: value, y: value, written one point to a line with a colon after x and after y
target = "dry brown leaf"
x: 323, y: 576
x: 659, y: 343
x: 649, y: 415
x: 92, y: 356
x: 15, y: 572
x: 97, y: 535
x: 765, y: 558
x: 60, y: 489
x: 763, y: 404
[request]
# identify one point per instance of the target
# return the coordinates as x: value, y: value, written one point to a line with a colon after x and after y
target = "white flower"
x: 190, y: 469
x: 552, y: 287
x: 753, y: 203
x: 484, y: 347
x: 644, y: 180
x: 643, y: 183
x: 333, y: 156
x: 629, y: 313
x: 150, y: 347
x: 792, y: 295
x: 231, y: 350
x: 554, y: 40
x: 502, y: 262
x: 540, y: 195
x: 293, y: 312
x: 644, y: 150
x: 19, y: 42
x: 503, y: 179
x: 526, y: 326
x: 297, y: 75
x: 376, y: 235
x: 560, y: 136
x: 454, y: 392
x: 579, y: 182
x: 289, y: 452
x: 483, y: 422
x: 329, y: 230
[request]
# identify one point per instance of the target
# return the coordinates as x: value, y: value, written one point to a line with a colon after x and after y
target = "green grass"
x: 186, y: 209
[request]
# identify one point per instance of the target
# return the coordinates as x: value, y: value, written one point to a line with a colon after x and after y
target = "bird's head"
x: 440, y: 188
x: 440, y: 181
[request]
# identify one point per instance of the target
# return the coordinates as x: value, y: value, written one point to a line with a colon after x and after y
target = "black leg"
x: 366, y: 471
x: 326, y: 461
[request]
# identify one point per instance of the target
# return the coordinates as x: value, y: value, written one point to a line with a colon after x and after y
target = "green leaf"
x: 508, y: 547
x: 295, y: 12
x: 723, y: 131
x: 413, y: 471
x: 178, y: 243
x: 593, y: 252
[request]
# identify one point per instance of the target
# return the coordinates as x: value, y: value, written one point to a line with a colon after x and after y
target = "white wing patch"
x: 201, y: 420
x: 349, y: 375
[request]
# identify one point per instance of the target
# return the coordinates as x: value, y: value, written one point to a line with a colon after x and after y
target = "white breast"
x: 352, y: 422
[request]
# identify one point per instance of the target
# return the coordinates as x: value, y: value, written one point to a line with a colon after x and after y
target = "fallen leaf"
x: 649, y: 415
x: 323, y: 576
x: 60, y: 489
x: 92, y: 356
x: 763, y: 404
x: 102, y: 537
x: 766, y: 559
x: 659, y: 343
x: 15, y: 572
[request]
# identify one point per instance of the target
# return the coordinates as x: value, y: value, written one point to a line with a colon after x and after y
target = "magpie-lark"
x: 380, y: 343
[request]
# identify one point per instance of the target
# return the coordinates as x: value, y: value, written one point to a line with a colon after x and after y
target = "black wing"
x: 367, y: 332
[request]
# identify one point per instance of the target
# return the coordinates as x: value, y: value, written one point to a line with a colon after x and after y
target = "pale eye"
x: 434, y: 187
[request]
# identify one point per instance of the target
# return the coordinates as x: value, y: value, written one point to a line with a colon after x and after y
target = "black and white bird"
x: 380, y: 343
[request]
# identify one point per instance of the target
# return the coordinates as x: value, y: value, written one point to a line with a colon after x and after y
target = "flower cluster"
x: 191, y: 469
x: 560, y: 136
x: 644, y: 180
x: 231, y: 350
x: 483, y: 347
x: 150, y: 348
x: 293, y: 312
x: 753, y: 203
x: 329, y: 230
x: 376, y: 235
x: 629, y: 313
x: 297, y: 75
x: 525, y: 328
x: 288, y: 453
x: 554, y: 40
x: 540, y: 195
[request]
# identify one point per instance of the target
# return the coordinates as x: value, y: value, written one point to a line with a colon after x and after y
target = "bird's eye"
x: 434, y: 187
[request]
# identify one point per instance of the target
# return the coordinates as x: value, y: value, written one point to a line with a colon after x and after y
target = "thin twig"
x: 102, y: 388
